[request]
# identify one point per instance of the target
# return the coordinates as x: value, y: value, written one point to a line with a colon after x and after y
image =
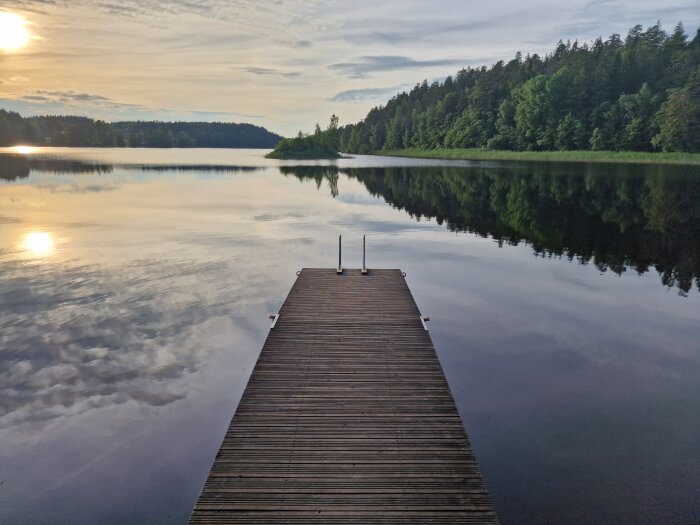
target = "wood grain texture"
x: 347, y: 418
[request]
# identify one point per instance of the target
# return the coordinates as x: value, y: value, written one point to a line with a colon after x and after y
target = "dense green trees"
x: 322, y: 144
x: 640, y: 94
x: 82, y: 131
x: 679, y: 118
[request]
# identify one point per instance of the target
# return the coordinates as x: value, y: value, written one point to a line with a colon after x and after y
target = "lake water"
x: 135, y: 287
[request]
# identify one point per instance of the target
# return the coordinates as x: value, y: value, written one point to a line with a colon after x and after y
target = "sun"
x: 13, y: 32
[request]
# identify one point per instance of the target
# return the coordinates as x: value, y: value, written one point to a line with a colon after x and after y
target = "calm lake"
x: 135, y: 287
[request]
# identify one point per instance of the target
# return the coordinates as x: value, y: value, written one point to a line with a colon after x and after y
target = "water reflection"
x: 123, y: 357
x: 616, y: 217
x: 13, y: 167
x: 38, y: 244
x: 25, y: 150
x: 77, y: 338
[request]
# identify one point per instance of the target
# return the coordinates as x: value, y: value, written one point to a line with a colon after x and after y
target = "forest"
x: 83, y: 131
x: 640, y: 93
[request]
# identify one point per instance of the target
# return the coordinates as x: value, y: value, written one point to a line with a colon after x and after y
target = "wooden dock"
x: 347, y: 418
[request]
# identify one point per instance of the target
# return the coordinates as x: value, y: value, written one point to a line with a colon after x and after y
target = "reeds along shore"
x: 562, y: 156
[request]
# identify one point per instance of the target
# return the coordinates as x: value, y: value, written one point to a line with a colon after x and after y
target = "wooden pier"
x: 347, y: 418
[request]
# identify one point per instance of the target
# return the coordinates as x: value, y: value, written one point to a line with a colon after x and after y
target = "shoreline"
x: 620, y: 157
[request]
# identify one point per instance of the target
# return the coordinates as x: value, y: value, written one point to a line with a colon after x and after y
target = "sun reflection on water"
x: 39, y: 244
x: 24, y: 150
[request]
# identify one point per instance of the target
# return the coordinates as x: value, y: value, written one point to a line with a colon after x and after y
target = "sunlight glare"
x: 39, y: 244
x: 13, y: 32
x: 24, y: 150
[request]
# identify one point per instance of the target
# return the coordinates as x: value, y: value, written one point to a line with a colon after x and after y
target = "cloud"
x: 71, y: 98
x: 43, y: 101
x: 17, y: 79
x: 366, y: 94
x: 302, y: 44
x: 265, y: 71
x: 133, y: 8
x: 193, y: 40
x: 362, y: 66
x: 380, y: 37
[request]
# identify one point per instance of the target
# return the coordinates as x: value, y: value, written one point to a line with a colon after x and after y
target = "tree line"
x: 83, y: 131
x: 640, y: 93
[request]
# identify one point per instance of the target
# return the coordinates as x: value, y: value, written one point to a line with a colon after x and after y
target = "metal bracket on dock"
x: 363, y: 270
x: 424, y: 319
x: 275, y: 318
x: 339, y: 270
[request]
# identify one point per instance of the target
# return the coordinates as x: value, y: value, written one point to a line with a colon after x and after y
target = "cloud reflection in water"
x: 76, y: 338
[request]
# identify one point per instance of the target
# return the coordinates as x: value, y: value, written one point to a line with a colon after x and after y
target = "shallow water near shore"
x: 135, y: 287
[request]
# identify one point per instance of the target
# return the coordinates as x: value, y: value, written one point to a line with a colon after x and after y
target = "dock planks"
x: 347, y: 418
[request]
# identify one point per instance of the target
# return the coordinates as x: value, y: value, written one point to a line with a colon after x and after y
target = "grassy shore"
x: 561, y: 156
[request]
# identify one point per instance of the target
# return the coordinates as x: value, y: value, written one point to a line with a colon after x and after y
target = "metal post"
x: 364, y: 267
x: 340, y: 251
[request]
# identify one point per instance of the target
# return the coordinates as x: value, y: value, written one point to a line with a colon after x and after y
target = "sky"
x: 282, y: 64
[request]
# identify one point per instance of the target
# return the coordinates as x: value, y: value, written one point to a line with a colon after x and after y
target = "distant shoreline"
x: 633, y: 157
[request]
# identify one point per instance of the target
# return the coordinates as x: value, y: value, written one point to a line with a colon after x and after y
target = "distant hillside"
x: 82, y: 131
x: 640, y: 93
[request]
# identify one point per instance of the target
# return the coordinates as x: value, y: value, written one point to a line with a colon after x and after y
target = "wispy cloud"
x: 266, y: 71
x: 302, y: 44
x: 42, y: 101
x: 366, y: 94
x: 17, y: 79
x: 363, y: 66
x: 71, y: 98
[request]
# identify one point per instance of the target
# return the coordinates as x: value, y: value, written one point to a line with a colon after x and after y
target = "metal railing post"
x: 364, y: 266
x: 340, y: 251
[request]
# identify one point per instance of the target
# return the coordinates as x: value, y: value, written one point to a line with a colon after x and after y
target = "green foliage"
x: 82, y: 131
x: 679, y: 118
x: 570, y: 134
x: 631, y: 94
x: 323, y: 144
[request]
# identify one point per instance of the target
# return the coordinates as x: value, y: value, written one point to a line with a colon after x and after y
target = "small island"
x: 322, y: 144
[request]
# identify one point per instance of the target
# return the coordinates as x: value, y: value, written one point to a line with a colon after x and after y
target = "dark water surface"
x: 135, y: 287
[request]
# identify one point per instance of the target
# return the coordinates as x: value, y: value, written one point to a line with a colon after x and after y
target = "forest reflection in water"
x: 618, y: 217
